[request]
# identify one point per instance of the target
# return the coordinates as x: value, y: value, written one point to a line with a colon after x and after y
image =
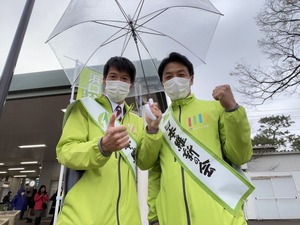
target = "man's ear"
x: 192, y: 80
x: 103, y: 81
x: 131, y: 85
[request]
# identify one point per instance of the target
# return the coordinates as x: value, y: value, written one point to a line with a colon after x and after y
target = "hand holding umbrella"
x: 148, y: 110
x: 153, y: 116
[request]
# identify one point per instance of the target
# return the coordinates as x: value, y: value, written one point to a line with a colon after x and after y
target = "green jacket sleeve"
x: 153, y: 190
x: 149, y: 150
x: 236, y: 136
x: 78, y: 145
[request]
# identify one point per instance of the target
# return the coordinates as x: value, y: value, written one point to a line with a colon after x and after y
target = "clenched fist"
x: 224, y: 94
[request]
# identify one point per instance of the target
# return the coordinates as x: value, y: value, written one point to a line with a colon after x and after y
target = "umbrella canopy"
x: 92, y: 31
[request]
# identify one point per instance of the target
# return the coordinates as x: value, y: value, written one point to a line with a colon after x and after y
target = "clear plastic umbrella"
x: 92, y: 31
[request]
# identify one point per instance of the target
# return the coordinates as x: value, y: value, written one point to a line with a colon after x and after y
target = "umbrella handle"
x: 148, y: 110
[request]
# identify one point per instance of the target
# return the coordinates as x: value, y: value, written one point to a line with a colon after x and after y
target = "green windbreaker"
x: 106, y: 193
x: 174, y: 197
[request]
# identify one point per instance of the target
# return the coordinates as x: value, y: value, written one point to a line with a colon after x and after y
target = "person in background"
x: 6, y: 201
x: 19, y: 202
x: 106, y: 193
x: 53, y: 205
x: 30, y: 204
x: 40, y: 199
x: 220, y: 128
x: 7, y: 198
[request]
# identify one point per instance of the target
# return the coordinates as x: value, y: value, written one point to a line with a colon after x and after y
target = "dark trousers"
x: 22, y: 214
x: 37, y: 220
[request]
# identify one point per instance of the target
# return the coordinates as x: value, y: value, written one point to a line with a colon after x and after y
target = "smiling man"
x: 191, y: 184
x: 107, y: 144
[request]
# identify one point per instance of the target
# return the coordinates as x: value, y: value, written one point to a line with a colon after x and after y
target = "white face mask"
x: 116, y: 90
x: 177, y: 87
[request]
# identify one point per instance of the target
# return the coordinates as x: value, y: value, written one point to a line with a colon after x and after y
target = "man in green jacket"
x: 107, y: 151
x: 190, y: 183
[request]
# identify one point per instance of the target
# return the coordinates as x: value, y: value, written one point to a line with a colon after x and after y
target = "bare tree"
x: 279, y: 20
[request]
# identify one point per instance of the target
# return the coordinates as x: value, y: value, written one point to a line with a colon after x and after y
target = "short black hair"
x: 175, y: 57
x: 122, y: 64
x: 40, y: 189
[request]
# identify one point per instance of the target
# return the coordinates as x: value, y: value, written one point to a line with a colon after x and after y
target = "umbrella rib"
x: 138, y: 11
x: 158, y: 33
x: 103, y: 44
x: 122, y: 11
x: 111, y: 25
x: 106, y: 42
x: 126, y: 41
x: 158, y: 12
x: 93, y: 21
x: 151, y: 18
x: 155, y: 32
x: 109, y: 40
x: 144, y: 45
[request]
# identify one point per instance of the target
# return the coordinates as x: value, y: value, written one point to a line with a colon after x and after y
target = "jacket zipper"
x: 187, y: 211
x: 119, y: 194
x: 112, y: 111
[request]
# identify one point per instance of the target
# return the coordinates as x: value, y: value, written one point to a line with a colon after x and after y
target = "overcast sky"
x: 235, y: 39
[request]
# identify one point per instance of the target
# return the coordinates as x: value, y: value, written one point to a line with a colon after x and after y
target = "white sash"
x: 101, y: 117
x: 212, y: 173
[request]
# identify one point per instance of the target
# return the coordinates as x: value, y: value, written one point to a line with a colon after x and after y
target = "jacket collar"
x: 185, y: 101
x: 104, y: 101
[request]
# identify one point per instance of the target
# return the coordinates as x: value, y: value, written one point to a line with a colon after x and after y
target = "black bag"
x: 44, y: 206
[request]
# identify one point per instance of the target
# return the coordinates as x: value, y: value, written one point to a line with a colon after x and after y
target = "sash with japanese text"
x: 228, y: 187
x: 101, y: 117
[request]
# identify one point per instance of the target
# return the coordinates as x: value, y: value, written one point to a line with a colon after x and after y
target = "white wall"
x: 277, y: 194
